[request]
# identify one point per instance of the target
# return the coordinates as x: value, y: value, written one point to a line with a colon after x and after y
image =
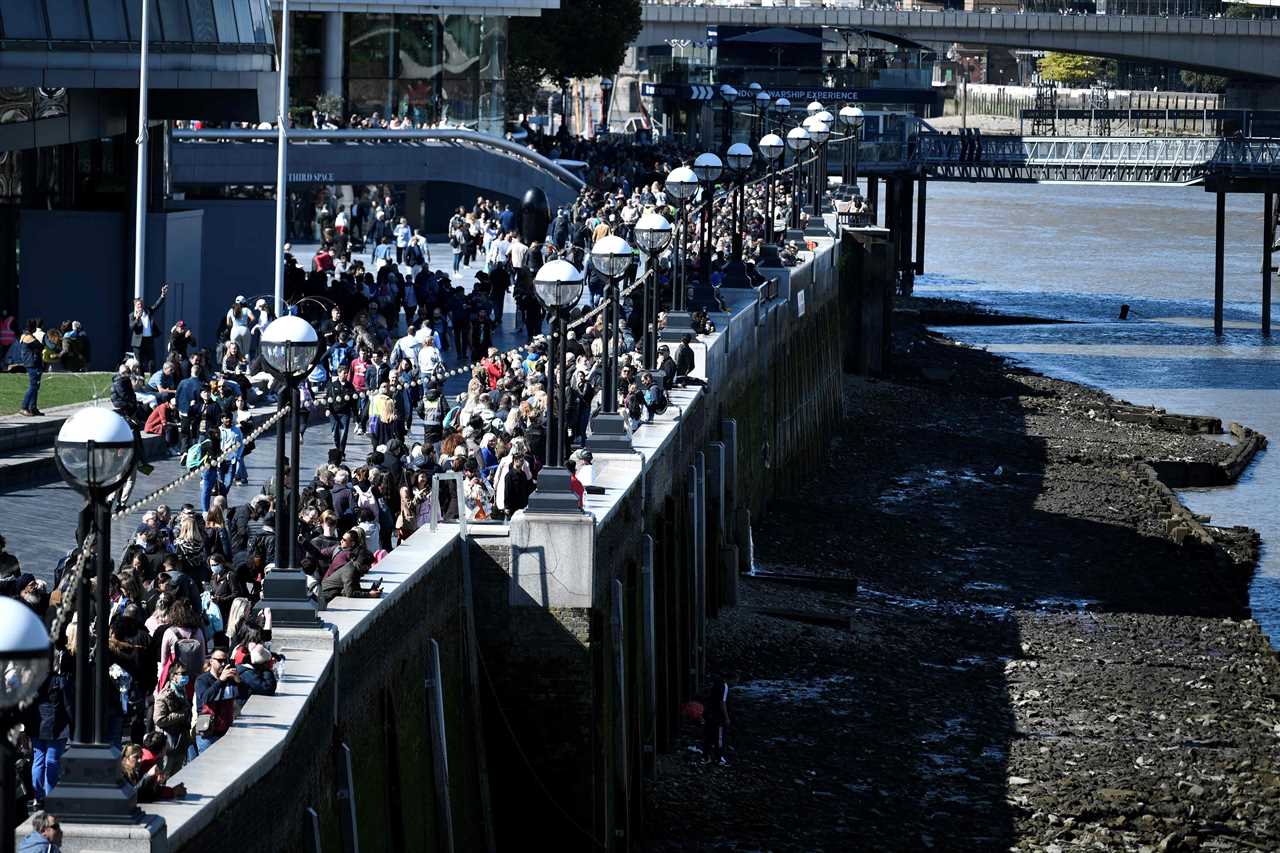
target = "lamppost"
x: 851, y: 118
x: 771, y: 147
x: 708, y: 167
x: 819, y: 132
x: 681, y: 185
x: 290, y: 350
x: 739, y: 158
x: 814, y: 108
x: 830, y: 121
x: 24, y: 663
x: 782, y: 106
x: 606, y: 89
x: 762, y: 100
x: 95, y: 452
x: 611, y: 255
x: 652, y: 235
x: 559, y: 285
x: 798, y: 141
x: 728, y: 94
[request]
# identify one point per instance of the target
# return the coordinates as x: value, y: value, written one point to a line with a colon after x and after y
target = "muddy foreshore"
x: 1045, y: 652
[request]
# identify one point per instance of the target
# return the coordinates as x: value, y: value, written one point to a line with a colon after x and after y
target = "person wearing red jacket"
x: 163, y: 421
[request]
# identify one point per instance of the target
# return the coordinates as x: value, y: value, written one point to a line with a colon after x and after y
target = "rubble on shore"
x: 1044, y: 654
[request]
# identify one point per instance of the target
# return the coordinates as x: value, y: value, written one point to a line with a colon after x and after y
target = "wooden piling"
x: 1268, y: 244
x: 920, y: 214
x: 1218, y: 260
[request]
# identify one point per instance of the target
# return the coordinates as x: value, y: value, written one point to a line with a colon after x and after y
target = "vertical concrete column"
x: 905, y: 264
x: 700, y: 561
x: 1219, y: 230
x: 920, y: 216
x: 873, y: 197
x: 621, y: 775
x: 649, y: 681
x: 335, y: 52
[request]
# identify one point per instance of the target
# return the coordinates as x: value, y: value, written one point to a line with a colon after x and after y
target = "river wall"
x: 565, y: 645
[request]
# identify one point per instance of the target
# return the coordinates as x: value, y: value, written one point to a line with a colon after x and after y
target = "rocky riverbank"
x: 1045, y: 651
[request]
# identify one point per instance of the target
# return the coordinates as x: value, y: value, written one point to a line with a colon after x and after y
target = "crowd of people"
x: 189, y: 644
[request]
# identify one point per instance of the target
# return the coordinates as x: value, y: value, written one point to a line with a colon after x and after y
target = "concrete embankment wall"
x: 588, y: 633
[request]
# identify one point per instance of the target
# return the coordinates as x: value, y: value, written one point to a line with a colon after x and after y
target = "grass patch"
x: 56, y: 389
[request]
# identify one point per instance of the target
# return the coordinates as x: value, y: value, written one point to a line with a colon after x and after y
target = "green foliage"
x: 583, y: 38
x: 1201, y: 82
x: 1072, y: 69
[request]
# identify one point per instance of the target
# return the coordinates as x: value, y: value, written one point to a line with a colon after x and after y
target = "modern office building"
x: 444, y: 63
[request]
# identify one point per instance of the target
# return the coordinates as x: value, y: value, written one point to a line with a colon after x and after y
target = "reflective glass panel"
x: 107, y: 20
x: 416, y: 46
x: 224, y: 18
x: 258, y: 13
x: 23, y: 19
x: 67, y: 20
x: 177, y: 25
x: 202, y: 26
x: 244, y: 21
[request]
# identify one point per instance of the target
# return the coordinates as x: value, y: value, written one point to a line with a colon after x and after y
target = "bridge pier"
x: 873, y: 198
x: 1268, y: 248
x: 1218, y: 259
x: 902, y: 204
x: 920, y: 216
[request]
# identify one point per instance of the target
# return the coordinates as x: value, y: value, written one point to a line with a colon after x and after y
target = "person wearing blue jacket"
x: 45, y: 836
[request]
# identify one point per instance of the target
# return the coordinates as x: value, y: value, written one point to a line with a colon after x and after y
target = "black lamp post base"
x: 770, y: 258
x: 817, y: 227
x: 285, y: 592
x: 704, y: 297
x: 609, y: 434
x: 554, y: 494
x: 91, y: 789
x: 735, y: 275
x: 794, y: 235
x: 679, y: 324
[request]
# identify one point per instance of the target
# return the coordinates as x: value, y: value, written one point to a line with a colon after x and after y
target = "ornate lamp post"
x: 708, y: 167
x: 606, y: 89
x: 559, y: 285
x: 95, y: 452
x: 851, y: 118
x: 798, y: 141
x: 830, y: 121
x: 819, y: 132
x: 24, y: 663
x: 814, y: 108
x: 762, y: 100
x: 739, y: 158
x: 728, y: 95
x: 611, y: 255
x: 681, y: 185
x: 652, y: 235
x: 290, y: 350
x: 771, y: 148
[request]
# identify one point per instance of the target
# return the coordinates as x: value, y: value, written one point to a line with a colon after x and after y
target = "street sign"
x: 682, y: 91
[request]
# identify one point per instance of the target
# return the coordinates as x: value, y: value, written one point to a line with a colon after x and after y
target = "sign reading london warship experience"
x: 798, y: 97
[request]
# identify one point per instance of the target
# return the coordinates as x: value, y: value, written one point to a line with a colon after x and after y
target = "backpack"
x: 212, y: 612
x: 656, y: 399
x: 451, y: 419
x: 366, y: 500
x: 189, y: 652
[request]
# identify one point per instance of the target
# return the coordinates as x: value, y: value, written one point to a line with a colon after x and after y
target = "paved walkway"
x: 39, y: 522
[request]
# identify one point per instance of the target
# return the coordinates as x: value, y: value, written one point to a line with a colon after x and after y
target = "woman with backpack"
x: 183, y: 641
x: 32, y: 358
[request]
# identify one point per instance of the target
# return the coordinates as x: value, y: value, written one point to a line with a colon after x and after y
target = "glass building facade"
x: 429, y: 68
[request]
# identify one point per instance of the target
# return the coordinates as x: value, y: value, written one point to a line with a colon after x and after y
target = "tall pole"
x: 562, y: 386
x: 768, y: 201
x: 678, y: 294
x: 282, y: 157
x: 295, y: 440
x: 610, y: 354
x: 140, y: 191
x: 736, y: 199
x: 282, y: 428
x: 102, y: 571
x: 83, y: 724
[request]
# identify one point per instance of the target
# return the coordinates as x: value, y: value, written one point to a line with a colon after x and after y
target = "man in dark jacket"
x: 345, y: 581
x: 123, y: 398
x: 341, y: 405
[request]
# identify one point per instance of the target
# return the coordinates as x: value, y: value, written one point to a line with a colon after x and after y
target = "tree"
x: 1071, y: 69
x: 1198, y: 81
x: 583, y: 38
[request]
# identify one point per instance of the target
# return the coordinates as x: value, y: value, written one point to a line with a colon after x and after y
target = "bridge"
x: 1161, y: 161
x: 1222, y: 46
x: 486, y: 164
